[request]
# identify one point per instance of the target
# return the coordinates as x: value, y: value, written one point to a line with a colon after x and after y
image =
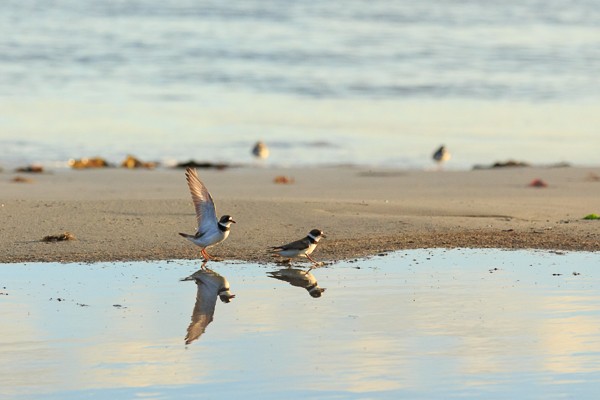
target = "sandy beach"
x: 118, y: 214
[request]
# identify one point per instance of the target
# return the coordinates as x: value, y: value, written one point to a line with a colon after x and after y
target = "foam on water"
x: 413, y: 324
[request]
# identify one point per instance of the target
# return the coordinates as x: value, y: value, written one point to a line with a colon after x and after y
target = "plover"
x: 441, y: 155
x: 299, y: 278
x: 260, y: 150
x: 301, y: 248
x: 210, y: 286
x: 210, y: 231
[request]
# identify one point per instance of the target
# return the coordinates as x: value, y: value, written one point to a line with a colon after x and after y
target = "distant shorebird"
x: 441, y: 155
x: 301, y: 248
x: 260, y: 150
x: 210, y: 231
x: 210, y: 286
x: 299, y: 278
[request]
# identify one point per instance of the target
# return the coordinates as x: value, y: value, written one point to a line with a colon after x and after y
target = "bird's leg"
x: 209, y: 257
x: 311, y: 259
x: 203, y: 266
x: 205, y: 255
x: 315, y: 263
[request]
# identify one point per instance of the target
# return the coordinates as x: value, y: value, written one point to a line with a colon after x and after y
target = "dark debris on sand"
x: 132, y: 162
x: 202, y: 165
x: 59, y: 238
x: 34, y: 169
x: 503, y: 164
x: 21, y: 179
x: 86, y: 163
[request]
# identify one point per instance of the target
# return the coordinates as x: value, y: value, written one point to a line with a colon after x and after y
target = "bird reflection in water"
x: 299, y: 278
x: 210, y: 286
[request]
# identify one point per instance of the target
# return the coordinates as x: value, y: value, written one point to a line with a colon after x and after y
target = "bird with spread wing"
x: 210, y: 231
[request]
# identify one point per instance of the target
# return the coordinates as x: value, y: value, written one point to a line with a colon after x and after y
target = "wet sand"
x: 120, y: 214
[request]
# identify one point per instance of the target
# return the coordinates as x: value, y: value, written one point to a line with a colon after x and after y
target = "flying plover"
x: 210, y: 231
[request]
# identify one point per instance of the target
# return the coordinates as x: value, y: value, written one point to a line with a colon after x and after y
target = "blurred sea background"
x: 373, y: 83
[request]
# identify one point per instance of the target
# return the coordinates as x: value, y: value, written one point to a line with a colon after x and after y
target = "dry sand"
x: 120, y: 214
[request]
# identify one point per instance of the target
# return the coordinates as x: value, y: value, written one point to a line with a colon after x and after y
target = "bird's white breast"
x: 311, y: 248
x: 211, y: 238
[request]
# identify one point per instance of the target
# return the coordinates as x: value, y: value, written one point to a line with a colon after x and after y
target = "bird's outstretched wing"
x: 206, y: 214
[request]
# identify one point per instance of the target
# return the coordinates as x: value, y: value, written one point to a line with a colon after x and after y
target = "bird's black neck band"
x: 223, y: 228
x: 311, y: 287
x: 222, y: 290
x: 311, y: 239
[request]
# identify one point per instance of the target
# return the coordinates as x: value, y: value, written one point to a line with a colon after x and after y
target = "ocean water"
x: 355, y: 82
x: 418, y: 324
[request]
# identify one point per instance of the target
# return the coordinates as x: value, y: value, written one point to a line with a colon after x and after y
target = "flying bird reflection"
x: 299, y: 278
x: 210, y: 286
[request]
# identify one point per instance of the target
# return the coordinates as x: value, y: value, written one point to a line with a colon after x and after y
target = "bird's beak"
x: 232, y: 221
x: 226, y: 299
x: 323, y: 235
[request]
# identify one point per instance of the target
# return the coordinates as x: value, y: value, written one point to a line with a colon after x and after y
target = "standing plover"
x: 260, y: 150
x: 441, y: 155
x: 301, y: 248
x: 210, y: 231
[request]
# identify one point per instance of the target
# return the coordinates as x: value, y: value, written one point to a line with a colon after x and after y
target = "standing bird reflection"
x: 299, y: 278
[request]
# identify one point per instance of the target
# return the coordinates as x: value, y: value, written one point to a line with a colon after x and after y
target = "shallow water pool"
x: 412, y: 324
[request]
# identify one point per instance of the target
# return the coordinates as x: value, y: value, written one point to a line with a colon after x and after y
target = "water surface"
x: 383, y: 83
x: 414, y: 324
